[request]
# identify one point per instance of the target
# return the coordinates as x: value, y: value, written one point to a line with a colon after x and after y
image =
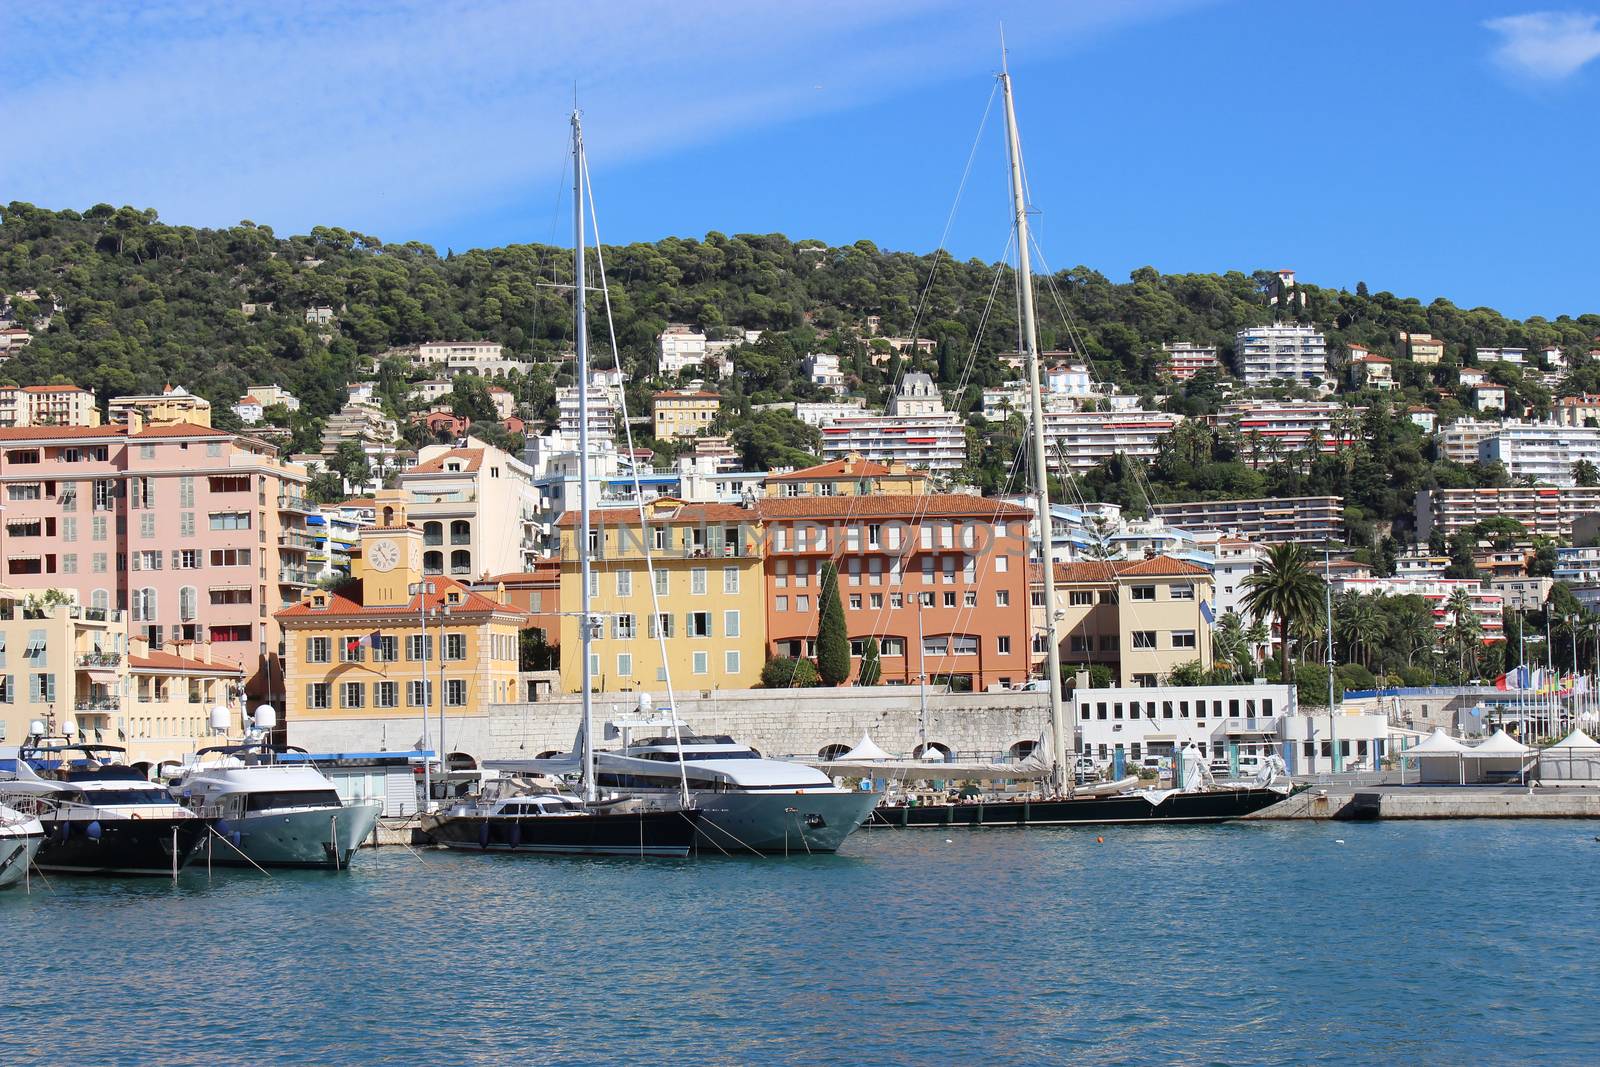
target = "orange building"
x: 950, y: 568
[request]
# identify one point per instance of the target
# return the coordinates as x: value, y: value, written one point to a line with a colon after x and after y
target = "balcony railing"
x: 292, y: 502
x: 97, y: 704
x: 290, y: 539
x: 296, y: 576
x: 99, y: 659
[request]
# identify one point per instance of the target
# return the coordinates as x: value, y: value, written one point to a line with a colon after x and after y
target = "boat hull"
x: 138, y: 847
x: 637, y: 833
x: 320, y: 837
x: 1211, y: 806
x: 16, y: 852
x: 780, y: 823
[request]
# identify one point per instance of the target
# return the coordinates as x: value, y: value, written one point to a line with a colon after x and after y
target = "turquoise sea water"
x: 1439, y: 943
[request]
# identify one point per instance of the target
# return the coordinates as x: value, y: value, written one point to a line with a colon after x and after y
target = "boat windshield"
x: 293, y: 798
x: 696, y: 757
x: 111, y: 798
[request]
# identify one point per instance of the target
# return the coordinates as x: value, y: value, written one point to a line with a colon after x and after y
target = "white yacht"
x: 20, y: 837
x: 273, y: 814
x: 748, y: 803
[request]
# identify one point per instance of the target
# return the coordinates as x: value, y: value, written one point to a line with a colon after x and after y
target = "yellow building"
x: 682, y: 413
x: 360, y: 652
x: 708, y: 599
x: 169, y: 694
x: 1141, y: 618
x: 852, y: 476
x: 168, y: 407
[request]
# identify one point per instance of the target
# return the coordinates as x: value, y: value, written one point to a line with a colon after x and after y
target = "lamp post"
x: 422, y: 591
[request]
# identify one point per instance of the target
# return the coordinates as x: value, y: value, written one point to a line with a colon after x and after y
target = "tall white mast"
x: 1041, y: 474
x: 581, y: 330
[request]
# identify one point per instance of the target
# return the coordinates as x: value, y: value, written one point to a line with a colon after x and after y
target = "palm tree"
x: 1412, y: 629
x: 1285, y: 587
x: 1363, y: 624
x: 1228, y: 643
x: 1464, y: 631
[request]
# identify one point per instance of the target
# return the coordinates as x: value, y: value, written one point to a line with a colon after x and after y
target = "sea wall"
x: 777, y: 722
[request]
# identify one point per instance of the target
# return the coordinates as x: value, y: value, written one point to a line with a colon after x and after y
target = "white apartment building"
x: 1542, y: 451
x: 917, y: 395
x: 1270, y: 428
x: 463, y: 357
x: 602, y: 412
x: 1518, y: 356
x: 1577, y: 566
x: 1544, y: 510
x: 1069, y: 379
x: 1218, y: 720
x: 1185, y: 359
x: 1233, y: 559
x: 1082, y: 440
x: 935, y: 442
x: 1459, y: 440
x: 1269, y: 353
x: 682, y: 347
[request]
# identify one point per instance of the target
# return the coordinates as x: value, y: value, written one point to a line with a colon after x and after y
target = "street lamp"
x: 422, y: 591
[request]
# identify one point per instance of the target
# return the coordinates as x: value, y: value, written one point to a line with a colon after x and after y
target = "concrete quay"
x: 1437, y: 802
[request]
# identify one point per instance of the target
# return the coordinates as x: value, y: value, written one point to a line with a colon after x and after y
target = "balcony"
x: 295, y: 540
x: 296, y: 576
x: 86, y: 614
x: 99, y: 659
x: 294, y: 502
x: 96, y: 704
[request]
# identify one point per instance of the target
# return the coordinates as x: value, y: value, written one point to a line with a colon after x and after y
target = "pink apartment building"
x: 198, y: 533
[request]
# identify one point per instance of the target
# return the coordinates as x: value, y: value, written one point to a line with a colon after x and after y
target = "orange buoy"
x: 1099, y: 840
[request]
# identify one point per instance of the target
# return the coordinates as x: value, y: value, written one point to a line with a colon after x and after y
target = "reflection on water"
x: 1436, y: 942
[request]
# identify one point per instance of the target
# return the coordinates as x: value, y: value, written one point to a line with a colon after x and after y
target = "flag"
x: 372, y: 639
x: 1207, y: 613
x: 1514, y: 679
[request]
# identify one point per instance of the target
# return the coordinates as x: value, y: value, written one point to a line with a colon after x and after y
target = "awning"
x: 101, y: 674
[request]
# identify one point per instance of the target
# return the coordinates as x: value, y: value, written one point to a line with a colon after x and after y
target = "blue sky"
x: 1442, y: 148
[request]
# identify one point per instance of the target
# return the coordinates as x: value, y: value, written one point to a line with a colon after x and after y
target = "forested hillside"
x: 146, y: 304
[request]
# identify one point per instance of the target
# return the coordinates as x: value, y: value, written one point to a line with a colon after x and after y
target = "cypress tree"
x: 833, y: 640
x: 870, y: 667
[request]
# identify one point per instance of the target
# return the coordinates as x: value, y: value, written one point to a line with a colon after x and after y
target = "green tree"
x: 349, y: 462
x: 833, y: 639
x: 784, y: 673
x: 326, y: 487
x: 1464, y: 631
x: 1586, y: 473
x: 534, y: 651
x: 1284, y: 587
x: 871, y: 667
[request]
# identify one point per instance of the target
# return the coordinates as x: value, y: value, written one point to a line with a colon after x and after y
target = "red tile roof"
x: 53, y: 389
x: 838, y: 468
x: 180, y: 429
x: 930, y: 506
x: 1106, y: 570
x: 1160, y: 565
x: 688, y: 394
x: 166, y: 661
x: 48, y: 433
x: 664, y: 511
x: 470, y: 458
x: 346, y: 602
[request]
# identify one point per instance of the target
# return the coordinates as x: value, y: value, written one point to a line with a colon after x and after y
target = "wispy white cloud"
x: 388, y: 116
x: 1546, y: 46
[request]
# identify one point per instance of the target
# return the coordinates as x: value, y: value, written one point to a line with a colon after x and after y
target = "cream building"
x: 1141, y: 618
x: 682, y: 413
x: 171, y: 405
x: 476, y: 506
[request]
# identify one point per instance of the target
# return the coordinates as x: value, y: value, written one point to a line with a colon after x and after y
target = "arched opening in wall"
x: 1022, y: 749
x: 388, y: 516
x: 933, y: 750
x: 433, y: 563
x: 460, y: 761
x: 832, y: 752
x: 461, y: 532
x: 432, y: 533
x: 461, y: 561
x: 141, y: 768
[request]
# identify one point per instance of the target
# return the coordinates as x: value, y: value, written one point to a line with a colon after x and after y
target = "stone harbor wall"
x: 777, y: 722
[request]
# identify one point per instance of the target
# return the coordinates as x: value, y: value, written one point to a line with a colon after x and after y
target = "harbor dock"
x: 1359, y: 802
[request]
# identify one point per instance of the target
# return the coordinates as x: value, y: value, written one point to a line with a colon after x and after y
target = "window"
x: 625, y: 664
x: 934, y: 646
x: 1108, y: 596
x: 319, y: 649
x: 969, y: 598
x: 730, y: 579
x: 25, y: 491
x: 1002, y: 598
x: 1144, y: 639
x: 352, y: 649
x: 352, y: 694
x: 780, y: 603
x: 433, y: 563
x: 622, y: 628
x: 1078, y: 643
x: 230, y: 520
x: 461, y: 561
x: 730, y: 662
x: 188, y: 603
x: 1078, y: 597
x: 1181, y: 591
x: 419, y: 694
x: 663, y: 582
x: 147, y: 560
x: 185, y: 559
x: 964, y: 645
x: 186, y: 492
x: 319, y: 696
x: 144, y: 604
x: 1144, y: 592
x: 699, y: 624
x: 1183, y: 639
x: 455, y: 645
x: 229, y: 633
x: 730, y: 624
x: 702, y: 663
x: 624, y: 583
x: 697, y: 581
x: 455, y: 692
x: 229, y: 483
x: 802, y: 603
x: 69, y: 563
x: 69, y: 529
x: 1036, y: 598
x: 950, y: 599
x: 419, y: 647
x: 97, y: 563
x: 855, y: 601
x: 897, y: 600
x: 385, y: 694
x: 661, y: 625
x: 230, y: 557
x: 432, y: 533
x: 461, y: 532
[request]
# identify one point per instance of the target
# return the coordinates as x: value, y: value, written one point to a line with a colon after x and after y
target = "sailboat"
x: 1196, y: 797
x: 511, y: 817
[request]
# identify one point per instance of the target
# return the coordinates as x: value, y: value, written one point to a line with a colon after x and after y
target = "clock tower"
x: 391, y: 553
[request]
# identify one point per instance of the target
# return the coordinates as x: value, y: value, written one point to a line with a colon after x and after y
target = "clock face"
x: 384, y: 555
